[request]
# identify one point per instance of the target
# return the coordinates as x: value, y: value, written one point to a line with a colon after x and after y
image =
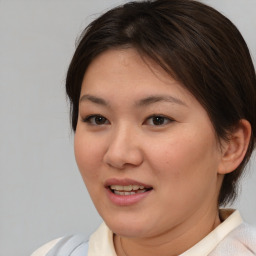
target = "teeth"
x: 126, y: 188
x: 136, y: 187
x: 123, y: 193
x: 142, y: 191
x: 118, y: 187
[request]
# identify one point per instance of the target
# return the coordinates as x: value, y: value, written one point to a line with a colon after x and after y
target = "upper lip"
x: 124, y: 182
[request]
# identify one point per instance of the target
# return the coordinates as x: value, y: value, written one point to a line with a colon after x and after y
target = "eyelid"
x: 168, y: 119
x: 88, y: 119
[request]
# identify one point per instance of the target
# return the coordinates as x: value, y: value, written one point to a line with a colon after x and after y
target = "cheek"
x: 88, y: 156
x: 185, y: 159
x: 185, y: 172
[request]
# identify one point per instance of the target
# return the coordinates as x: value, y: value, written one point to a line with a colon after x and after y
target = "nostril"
x: 123, y: 150
x: 121, y: 160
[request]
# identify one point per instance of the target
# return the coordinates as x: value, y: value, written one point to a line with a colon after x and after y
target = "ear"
x: 234, y: 150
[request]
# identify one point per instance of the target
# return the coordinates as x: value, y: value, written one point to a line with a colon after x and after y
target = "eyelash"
x: 88, y: 119
x: 166, y: 119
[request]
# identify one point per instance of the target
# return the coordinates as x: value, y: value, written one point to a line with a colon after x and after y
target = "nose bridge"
x: 121, y: 134
x: 123, y: 148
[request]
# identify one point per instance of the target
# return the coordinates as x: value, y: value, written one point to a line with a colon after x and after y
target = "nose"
x: 123, y: 149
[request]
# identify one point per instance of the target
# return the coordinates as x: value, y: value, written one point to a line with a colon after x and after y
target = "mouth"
x: 128, y: 190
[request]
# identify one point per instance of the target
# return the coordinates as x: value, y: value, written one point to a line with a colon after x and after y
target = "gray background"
x: 42, y: 195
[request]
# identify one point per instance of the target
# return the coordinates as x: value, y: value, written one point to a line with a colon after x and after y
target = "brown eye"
x: 96, y: 120
x: 158, y: 120
x: 100, y: 120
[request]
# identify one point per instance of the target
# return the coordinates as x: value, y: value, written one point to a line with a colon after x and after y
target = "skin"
x: 180, y: 157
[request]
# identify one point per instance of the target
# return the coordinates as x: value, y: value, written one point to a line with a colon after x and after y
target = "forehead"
x: 126, y: 69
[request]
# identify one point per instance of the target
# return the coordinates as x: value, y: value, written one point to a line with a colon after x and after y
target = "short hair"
x: 196, y: 45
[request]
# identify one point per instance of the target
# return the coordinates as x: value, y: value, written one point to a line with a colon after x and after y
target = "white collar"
x: 101, y: 242
x: 232, y: 219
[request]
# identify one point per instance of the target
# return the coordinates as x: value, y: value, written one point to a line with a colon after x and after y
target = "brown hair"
x: 196, y: 45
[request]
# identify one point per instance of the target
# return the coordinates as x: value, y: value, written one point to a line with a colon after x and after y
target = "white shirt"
x: 231, y: 238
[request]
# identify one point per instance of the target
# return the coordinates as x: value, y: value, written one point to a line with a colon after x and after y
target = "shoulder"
x: 75, y: 245
x: 241, y: 241
x: 46, y: 248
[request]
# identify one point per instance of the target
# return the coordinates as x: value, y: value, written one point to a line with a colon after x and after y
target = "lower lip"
x: 126, y: 200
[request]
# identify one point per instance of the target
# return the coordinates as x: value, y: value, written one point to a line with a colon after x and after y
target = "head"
x: 193, y: 43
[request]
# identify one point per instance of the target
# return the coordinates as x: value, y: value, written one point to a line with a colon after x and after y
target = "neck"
x: 171, y: 243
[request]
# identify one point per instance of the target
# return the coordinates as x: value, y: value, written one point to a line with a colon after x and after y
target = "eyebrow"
x: 159, y: 98
x: 143, y: 102
x: 93, y: 99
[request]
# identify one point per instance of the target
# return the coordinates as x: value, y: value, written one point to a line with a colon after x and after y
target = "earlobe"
x: 235, y: 149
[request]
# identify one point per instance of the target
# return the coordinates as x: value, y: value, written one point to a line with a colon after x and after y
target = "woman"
x: 163, y: 97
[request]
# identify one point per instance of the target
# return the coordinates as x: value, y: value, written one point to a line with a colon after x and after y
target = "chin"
x: 127, y: 228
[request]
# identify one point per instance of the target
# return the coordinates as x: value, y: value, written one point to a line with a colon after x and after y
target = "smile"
x: 128, y: 190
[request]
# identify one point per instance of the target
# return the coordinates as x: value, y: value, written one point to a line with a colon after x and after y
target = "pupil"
x: 158, y: 120
x: 100, y: 120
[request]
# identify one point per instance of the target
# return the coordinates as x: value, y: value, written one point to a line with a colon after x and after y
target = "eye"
x: 96, y: 120
x: 158, y: 120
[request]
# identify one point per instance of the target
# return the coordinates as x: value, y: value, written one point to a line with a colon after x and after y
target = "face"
x: 145, y: 147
